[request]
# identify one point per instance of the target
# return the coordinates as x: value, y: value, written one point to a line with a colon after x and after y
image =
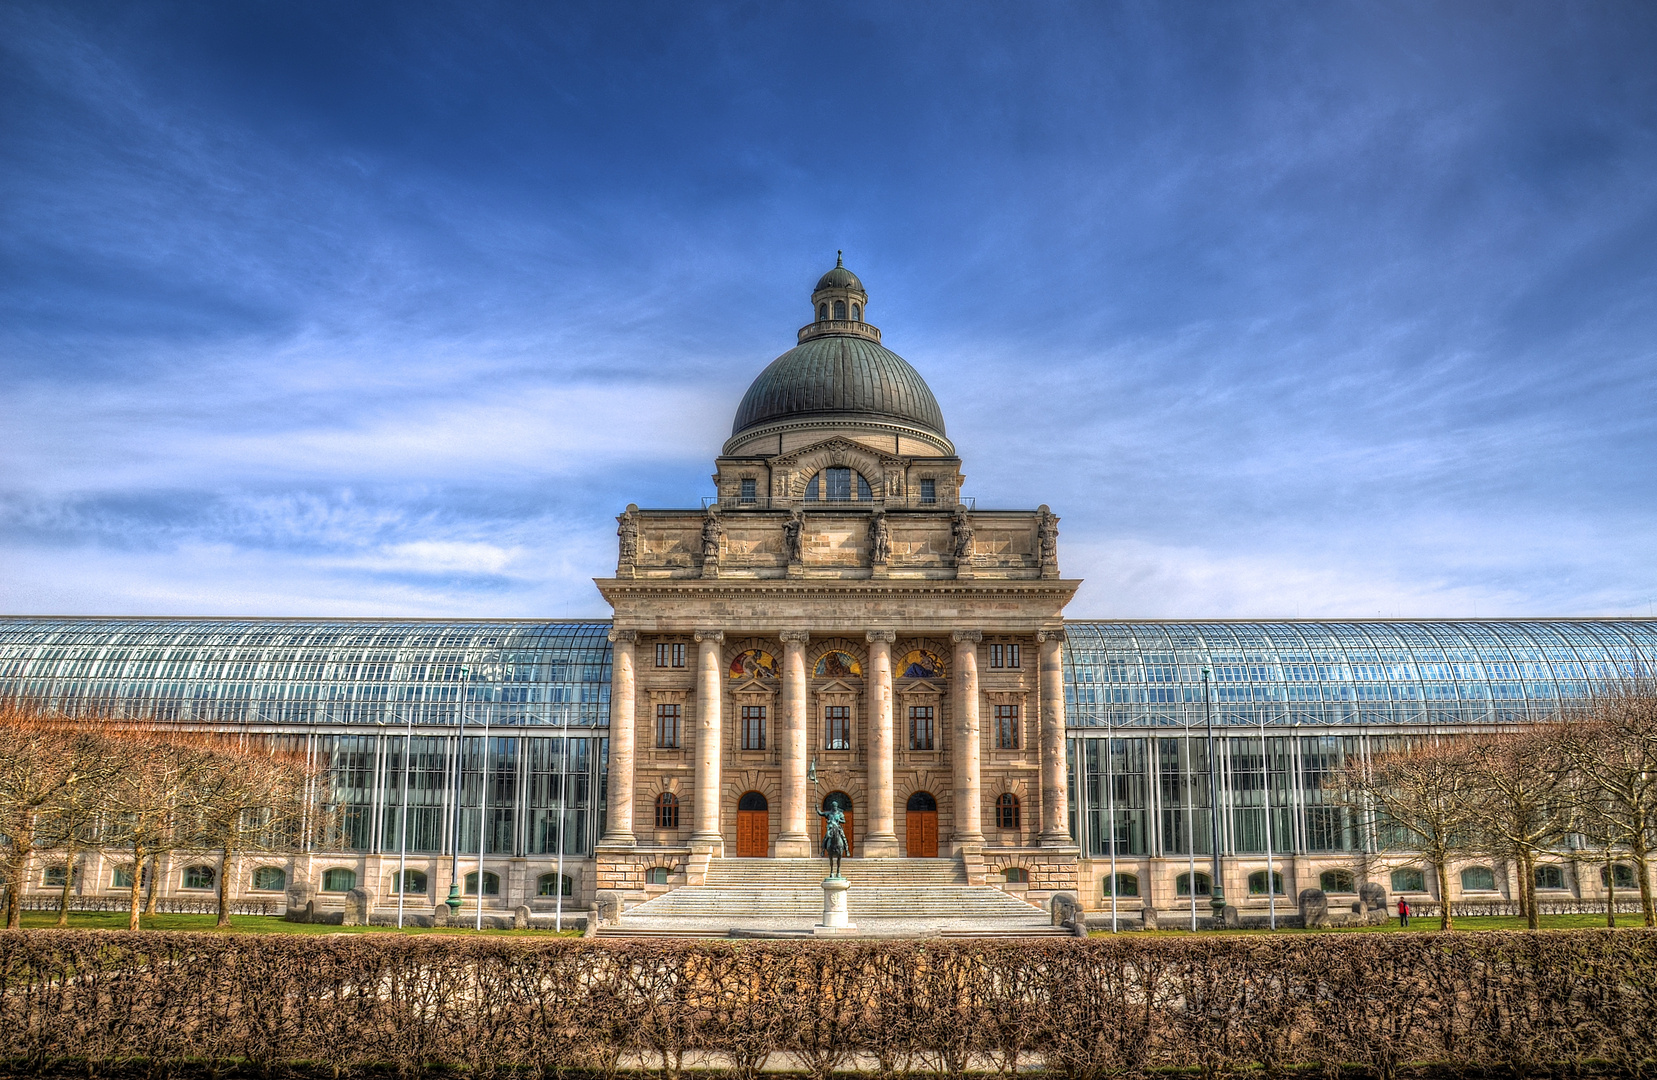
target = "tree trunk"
x: 135, y: 889
x: 1610, y: 891
x: 154, y: 892
x: 1533, y: 918
x: 1642, y: 867
x: 224, y: 885
x: 68, y: 887
x: 14, y: 908
x: 1446, y: 920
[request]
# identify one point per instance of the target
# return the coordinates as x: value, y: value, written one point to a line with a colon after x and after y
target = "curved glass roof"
x: 1149, y: 674
x: 313, y: 671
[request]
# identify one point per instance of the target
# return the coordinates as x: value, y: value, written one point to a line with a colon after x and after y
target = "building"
x: 839, y: 623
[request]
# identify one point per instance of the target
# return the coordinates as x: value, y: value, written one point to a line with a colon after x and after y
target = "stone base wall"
x: 1050, y: 871
x: 624, y: 870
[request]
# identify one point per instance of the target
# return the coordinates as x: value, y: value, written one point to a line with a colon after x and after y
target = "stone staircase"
x: 784, y: 898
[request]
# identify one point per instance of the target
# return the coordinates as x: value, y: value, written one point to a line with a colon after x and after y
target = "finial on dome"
x: 839, y: 258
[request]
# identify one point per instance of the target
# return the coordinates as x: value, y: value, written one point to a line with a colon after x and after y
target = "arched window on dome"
x: 857, y: 313
x: 837, y: 485
x: 822, y: 311
x: 839, y: 309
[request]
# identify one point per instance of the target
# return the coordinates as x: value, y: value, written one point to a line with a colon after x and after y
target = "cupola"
x: 838, y: 304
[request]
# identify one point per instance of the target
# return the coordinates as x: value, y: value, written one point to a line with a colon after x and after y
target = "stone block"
x: 1314, y: 908
x: 520, y: 917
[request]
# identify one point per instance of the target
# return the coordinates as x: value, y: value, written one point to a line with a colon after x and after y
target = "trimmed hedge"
x: 1516, y: 1002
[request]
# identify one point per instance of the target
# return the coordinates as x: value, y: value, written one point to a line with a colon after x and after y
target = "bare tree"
x: 1523, y: 799
x: 149, y: 795
x: 1426, y: 793
x: 1613, y: 749
x: 46, y: 764
x: 249, y: 797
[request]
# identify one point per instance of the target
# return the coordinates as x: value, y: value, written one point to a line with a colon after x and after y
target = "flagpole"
x: 402, y: 829
x: 563, y: 815
x: 483, y: 812
x: 1266, y: 780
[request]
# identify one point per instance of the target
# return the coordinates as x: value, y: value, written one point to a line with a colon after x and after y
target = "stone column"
x: 964, y: 751
x: 794, y: 841
x: 624, y: 724
x: 710, y: 676
x: 880, y: 841
x: 1055, y: 798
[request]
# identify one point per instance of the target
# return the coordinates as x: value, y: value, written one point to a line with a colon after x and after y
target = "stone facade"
x: 837, y: 622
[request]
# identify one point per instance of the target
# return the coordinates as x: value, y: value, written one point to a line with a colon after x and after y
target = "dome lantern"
x: 839, y: 297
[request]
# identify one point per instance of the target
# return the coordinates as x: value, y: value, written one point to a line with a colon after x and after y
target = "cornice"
x: 835, y: 586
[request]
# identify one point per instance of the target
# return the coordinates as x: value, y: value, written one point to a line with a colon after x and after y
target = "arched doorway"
x: 920, y: 826
x: 844, y: 802
x: 753, y: 826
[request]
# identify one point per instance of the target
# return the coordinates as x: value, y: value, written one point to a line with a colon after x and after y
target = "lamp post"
x: 1216, y: 890
x: 460, y: 775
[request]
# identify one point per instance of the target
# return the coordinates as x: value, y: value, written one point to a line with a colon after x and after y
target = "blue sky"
x: 1316, y: 310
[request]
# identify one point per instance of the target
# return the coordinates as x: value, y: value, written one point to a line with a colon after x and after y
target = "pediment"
x: 837, y: 686
x: 921, y: 686
x: 754, y: 686
x: 837, y: 447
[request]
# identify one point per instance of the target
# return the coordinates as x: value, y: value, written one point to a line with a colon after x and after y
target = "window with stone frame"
x: 670, y: 654
x: 667, y: 810
x: 837, y: 725
x: 753, y: 727
x: 929, y: 492
x: 668, y: 715
x: 920, y: 727
x: 750, y: 492
x: 1006, y: 727
x: 1004, y: 656
x: 1006, y: 811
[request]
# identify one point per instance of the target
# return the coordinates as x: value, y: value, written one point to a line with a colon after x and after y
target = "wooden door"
x: 753, y: 827
x: 920, y: 826
x: 845, y: 802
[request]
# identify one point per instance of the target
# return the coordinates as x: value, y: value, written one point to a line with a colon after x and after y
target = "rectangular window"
x: 929, y: 492
x: 920, y: 727
x: 667, y: 727
x: 753, y: 727
x: 838, y: 720
x: 670, y: 654
x: 661, y: 654
x: 997, y: 656
x: 1006, y: 727
x: 749, y: 494
x: 1012, y: 656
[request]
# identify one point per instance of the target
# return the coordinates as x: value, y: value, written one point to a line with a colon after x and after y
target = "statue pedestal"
x: 836, y: 917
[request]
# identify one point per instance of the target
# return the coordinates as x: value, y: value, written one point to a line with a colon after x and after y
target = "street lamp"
x: 1216, y: 890
x: 454, y: 834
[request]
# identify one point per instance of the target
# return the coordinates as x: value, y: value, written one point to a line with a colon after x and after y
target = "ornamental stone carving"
x: 627, y: 547
x: 793, y: 533
x: 880, y: 539
x: 629, y: 636
x: 800, y: 636
x: 1047, y: 537
x: 716, y: 636
x: 1049, y: 635
x: 961, y: 532
x: 973, y: 636
x: 888, y: 636
x: 712, y: 533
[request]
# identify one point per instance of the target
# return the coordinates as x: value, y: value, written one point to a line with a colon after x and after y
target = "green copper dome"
x: 839, y: 377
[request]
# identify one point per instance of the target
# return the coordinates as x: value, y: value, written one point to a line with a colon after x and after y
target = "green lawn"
x: 1429, y: 925
x: 242, y: 924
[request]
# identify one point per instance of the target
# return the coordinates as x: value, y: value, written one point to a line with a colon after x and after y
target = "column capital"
x: 1049, y: 635
x: 629, y: 636
x: 888, y: 636
x: 960, y: 636
x: 715, y: 636
x: 797, y: 637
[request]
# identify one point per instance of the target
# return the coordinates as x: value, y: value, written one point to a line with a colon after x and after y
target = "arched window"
x: 339, y: 879
x: 1337, y: 881
x: 1409, y: 879
x: 1016, y: 875
x: 1478, y: 879
x: 1623, y: 880
x: 548, y: 882
x: 839, y: 309
x: 837, y: 485
x: 656, y: 875
x: 822, y: 311
x: 1126, y: 884
x: 1182, y: 885
x: 857, y: 312
x: 1550, y: 877
x: 270, y: 879
x: 1257, y: 883
x: 199, y: 877
x: 414, y: 883
x: 56, y: 877
x: 1006, y: 810
x: 491, y: 883
x: 922, y: 801
x: 667, y: 810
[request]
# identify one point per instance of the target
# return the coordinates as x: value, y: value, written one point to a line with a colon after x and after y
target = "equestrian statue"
x: 834, y: 837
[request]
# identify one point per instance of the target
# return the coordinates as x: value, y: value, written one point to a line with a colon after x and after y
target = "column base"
x: 797, y: 846
x: 878, y: 846
x: 1057, y: 840
x: 711, y: 844
x: 617, y: 840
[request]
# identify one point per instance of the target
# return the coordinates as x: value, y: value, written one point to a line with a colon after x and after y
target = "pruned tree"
x: 47, y: 766
x: 1613, y: 750
x: 1426, y: 793
x: 1522, y: 800
x: 249, y: 796
x: 150, y: 794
